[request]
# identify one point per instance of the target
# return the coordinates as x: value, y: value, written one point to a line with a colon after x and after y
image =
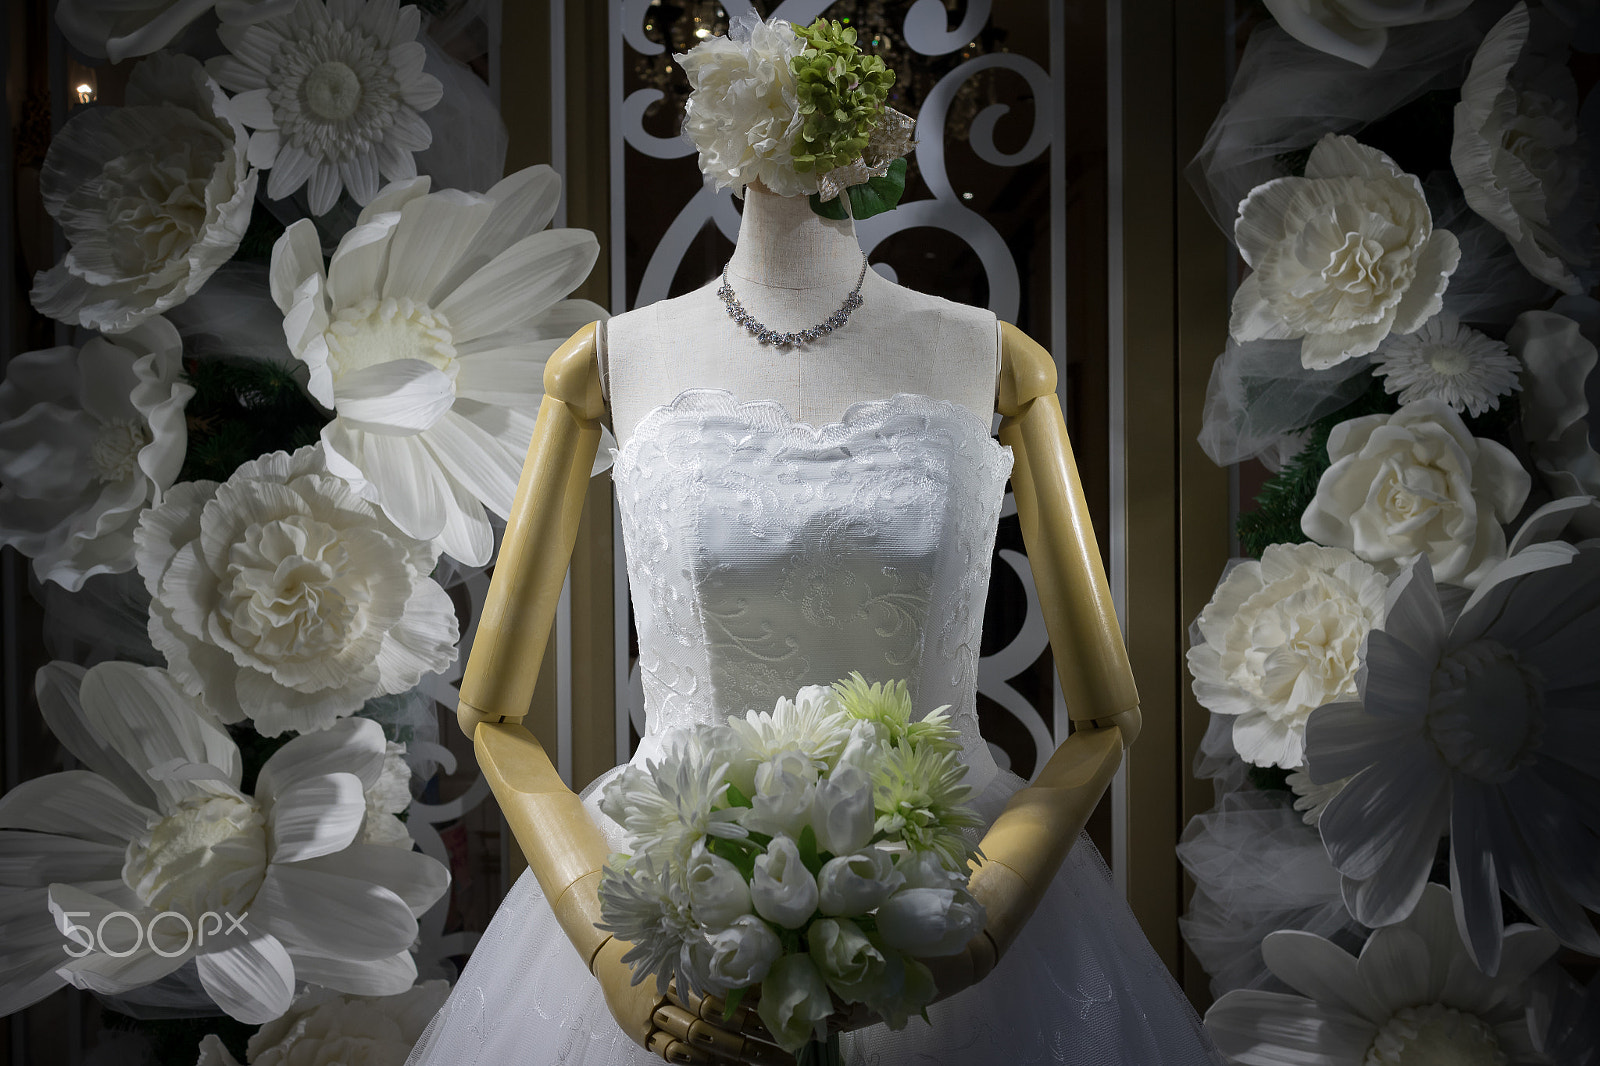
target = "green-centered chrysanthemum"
x: 842, y: 92
x: 888, y: 706
x: 920, y: 795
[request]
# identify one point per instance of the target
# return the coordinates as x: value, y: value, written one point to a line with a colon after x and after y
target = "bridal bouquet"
x: 815, y: 851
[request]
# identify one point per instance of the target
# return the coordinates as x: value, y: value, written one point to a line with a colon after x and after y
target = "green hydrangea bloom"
x: 842, y: 92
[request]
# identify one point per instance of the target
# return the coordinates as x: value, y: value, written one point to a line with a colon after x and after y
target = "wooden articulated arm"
x: 1028, y: 842
x: 563, y: 846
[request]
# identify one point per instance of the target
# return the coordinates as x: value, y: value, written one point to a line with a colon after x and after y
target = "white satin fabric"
x: 763, y: 555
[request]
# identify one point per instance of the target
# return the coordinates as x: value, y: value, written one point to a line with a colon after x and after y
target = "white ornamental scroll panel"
x: 1030, y: 727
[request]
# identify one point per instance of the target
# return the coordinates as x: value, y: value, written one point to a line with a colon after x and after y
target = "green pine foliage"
x: 1284, y: 498
x: 242, y: 409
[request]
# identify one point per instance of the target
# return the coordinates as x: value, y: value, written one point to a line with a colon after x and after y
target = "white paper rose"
x: 334, y: 94
x: 1280, y: 638
x: 1342, y: 257
x: 1417, y: 482
x: 152, y: 197
x: 1357, y: 30
x: 283, y: 597
x: 89, y: 437
x: 390, y: 796
x: 1555, y: 404
x: 1518, y: 154
x: 324, y: 1028
x: 744, y: 114
x: 122, y: 29
x: 427, y: 336
x: 156, y: 822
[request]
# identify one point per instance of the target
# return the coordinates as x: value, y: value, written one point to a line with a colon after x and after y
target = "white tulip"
x: 934, y: 914
x: 741, y: 954
x: 783, y: 890
x: 785, y: 788
x: 856, y: 884
x: 717, y: 891
x: 852, y: 965
x: 842, y: 813
x: 794, y: 1002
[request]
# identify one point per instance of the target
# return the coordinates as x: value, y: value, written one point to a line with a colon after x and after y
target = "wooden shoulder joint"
x: 572, y: 374
x: 1027, y: 371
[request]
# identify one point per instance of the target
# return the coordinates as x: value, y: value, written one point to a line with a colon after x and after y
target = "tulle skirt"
x: 1081, y: 985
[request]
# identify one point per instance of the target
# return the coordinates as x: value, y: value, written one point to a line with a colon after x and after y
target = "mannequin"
x: 793, y: 269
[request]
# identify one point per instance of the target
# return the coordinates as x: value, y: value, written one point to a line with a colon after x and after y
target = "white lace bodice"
x: 765, y: 554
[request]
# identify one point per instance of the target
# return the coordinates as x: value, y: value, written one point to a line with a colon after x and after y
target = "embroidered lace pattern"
x: 766, y: 554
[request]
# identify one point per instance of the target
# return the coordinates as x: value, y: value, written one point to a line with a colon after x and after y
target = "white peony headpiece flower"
x: 426, y: 335
x: 1279, y: 639
x: 156, y: 825
x: 152, y: 197
x: 334, y: 90
x: 283, y: 597
x: 1519, y: 155
x: 1455, y: 363
x: 1482, y: 729
x: 1341, y: 257
x: 89, y: 437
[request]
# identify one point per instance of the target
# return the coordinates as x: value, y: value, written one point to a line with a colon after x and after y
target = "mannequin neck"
x: 783, y: 244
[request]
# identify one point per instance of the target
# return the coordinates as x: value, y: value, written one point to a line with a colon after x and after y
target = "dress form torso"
x: 792, y: 269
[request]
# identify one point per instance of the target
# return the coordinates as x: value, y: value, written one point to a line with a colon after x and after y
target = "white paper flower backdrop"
x: 120, y: 29
x: 1555, y: 407
x: 324, y: 1028
x: 1357, y: 30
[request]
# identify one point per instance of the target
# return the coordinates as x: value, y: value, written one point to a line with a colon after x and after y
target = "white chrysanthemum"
x: 156, y: 822
x: 1279, y: 639
x: 152, y: 197
x: 1412, y: 998
x: 324, y: 1028
x: 388, y: 798
x: 813, y: 722
x: 1448, y: 361
x: 426, y: 335
x: 1341, y: 257
x: 648, y: 906
x: 88, y: 438
x: 334, y: 92
x: 1518, y: 153
x: 1417, y: 482
x: 1357, y: 30
x: 123, y: 29
x: 283, y: 597
x: 1555, y: 402
x: 1482, y: 728
x: 670, y: 803
x: 744, y: 114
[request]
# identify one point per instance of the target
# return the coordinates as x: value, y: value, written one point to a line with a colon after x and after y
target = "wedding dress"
x: 764, y: 555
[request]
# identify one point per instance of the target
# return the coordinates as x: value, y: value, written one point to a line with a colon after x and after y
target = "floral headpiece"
x: 800, y: 109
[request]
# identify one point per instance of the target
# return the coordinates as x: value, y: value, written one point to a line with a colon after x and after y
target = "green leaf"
x: 735, y: 998
x: 832, y: 209
x: 808, y: 851
x: 737, y: 798
x: 741, y: 853
x: 878, y: 194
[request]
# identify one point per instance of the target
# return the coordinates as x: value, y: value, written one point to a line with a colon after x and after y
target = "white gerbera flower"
x: 324, y: 1028
x: 1483, y: 728
x: 122, y: 29
x: 153, y: 198
x: 334, y: 92
x: 88, y: 438
x: 1413, y: 998
x: 744, y: 113
x: 1519, y: 155
x: 1279, y: 639
x: 426, y: 336
x: 156, y: 824
x: 283, y: 597
x: 1449, y: 361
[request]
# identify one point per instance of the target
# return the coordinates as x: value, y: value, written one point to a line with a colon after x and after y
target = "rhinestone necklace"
x: 788, y: 340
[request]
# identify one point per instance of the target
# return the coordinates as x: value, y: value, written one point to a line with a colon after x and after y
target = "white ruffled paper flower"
x: 334, y: 92
x: 1412, y: 998
x: 153, y: 197
x: 426, y: 335
x: 1279, y: 639
x: 1342, y: 257
x: 744, y: 113
x: 283, y: 597
x: 1417, y: 482
x: 324, y: 1028
x: 89, y: 437
x: 1449, y: 361
x: 122, y: 29
x: 1518, y: 154
x: 1482, y: 728
x: 156, y: 822
x: 390, y: 796
x: 1357, y: 30
x: 1555, y: 404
